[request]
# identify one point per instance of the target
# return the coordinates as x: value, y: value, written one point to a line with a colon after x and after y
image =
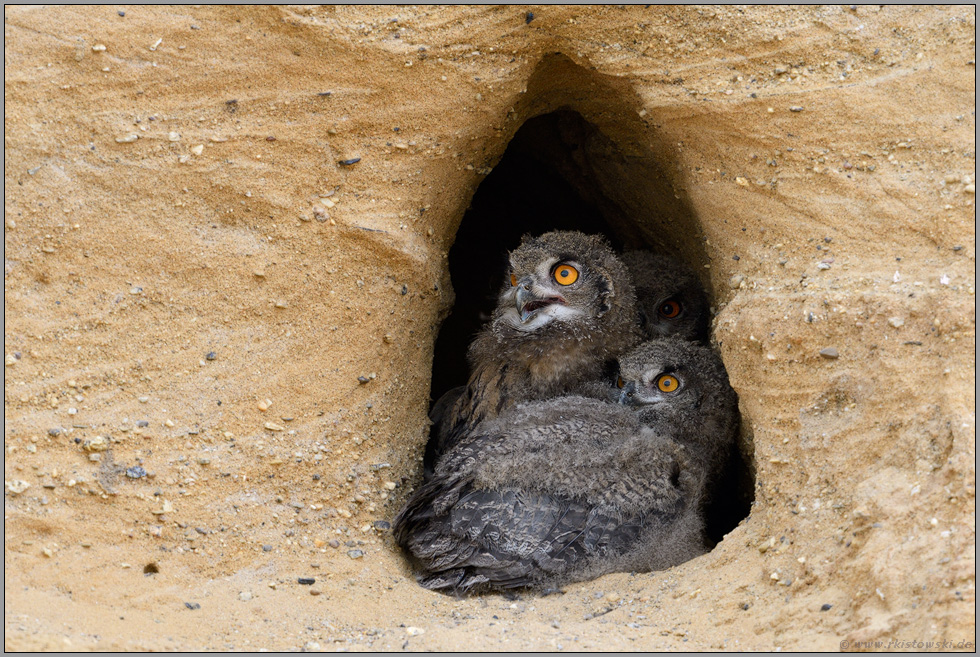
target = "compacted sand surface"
x: 219, y: 328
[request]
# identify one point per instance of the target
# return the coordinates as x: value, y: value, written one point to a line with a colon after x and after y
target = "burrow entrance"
x: 561, y: 172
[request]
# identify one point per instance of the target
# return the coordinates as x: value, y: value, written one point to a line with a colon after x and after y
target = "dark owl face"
x: 671, y: 377
x: 558, y: 278
x: 670, y: 298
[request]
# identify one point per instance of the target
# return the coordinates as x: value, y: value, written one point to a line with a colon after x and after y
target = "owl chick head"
x: 678, y: 382
x: 669, y: 296
x: 565, y: 278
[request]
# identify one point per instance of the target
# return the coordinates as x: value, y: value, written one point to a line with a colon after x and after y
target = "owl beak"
x: 626, y: 396
x: 524, y: 299
x: 529, y: 303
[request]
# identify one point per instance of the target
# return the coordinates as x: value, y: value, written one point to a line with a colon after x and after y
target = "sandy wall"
x: 194, y: 284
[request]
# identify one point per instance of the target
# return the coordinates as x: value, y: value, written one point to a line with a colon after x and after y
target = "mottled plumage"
x: 572, y: 488
x: 566, y: 312
x: 703, y: 399
x: 550, y: 492
x: 669, y: 297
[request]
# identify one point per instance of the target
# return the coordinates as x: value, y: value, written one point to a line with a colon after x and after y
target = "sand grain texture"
x: 172, y: 257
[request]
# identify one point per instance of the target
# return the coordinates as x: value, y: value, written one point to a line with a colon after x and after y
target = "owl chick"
x: 688, y: 381
x: 669, y: 296
x: 566, y: 311
x: 555, y: 491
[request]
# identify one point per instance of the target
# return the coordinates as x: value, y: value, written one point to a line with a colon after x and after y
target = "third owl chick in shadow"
x: 669, y: 297
x: 670, y: 304
x: 566, y: 311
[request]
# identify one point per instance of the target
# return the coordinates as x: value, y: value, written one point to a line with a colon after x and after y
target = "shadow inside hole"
x: 560, y: 172
x: 526, y: 193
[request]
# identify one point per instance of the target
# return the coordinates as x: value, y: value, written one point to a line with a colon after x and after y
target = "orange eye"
x: 565, y: 274
x: 670, y: 309
x: 513, y: 280
x: 619, y: 382
x: 667, y: 383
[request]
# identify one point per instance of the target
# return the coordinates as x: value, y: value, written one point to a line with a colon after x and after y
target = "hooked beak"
x: 528, y: 303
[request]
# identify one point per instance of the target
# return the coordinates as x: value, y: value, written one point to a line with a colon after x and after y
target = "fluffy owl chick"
x: 688, y: 383
x: 566, y: 310
x: 556, y: 491
x: 669, y: 296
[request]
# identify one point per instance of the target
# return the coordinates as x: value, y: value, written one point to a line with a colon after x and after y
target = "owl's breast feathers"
x: 510, y: 369
x: 535, y: 501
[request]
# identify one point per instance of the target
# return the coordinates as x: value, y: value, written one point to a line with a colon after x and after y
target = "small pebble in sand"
x: 165, y: 507
x: 897, y: 322
x: 135, y: 472
x: 16, y: 486
x: 355, y: 554
x: 197, y: 150
x: 414, y: 631
x: 306, y: 581
x: 127, y: 139
x: 350, y: 161
x: 245, y: 596
x: 264, y: 405
x: 192, y: 605
x: 826, y: 606
x: 271, y: 426
x: 830, y: 352
x: 97, y: 444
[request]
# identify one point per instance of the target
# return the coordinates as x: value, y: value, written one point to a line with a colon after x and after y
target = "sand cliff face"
x: 219, y: 328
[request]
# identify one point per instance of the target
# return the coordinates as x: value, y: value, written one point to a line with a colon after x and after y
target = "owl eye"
x: 619, y: 382
x: 670, y: 309
x: 667, y: 383
x: 565, y: 274
x: 513, y: 280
